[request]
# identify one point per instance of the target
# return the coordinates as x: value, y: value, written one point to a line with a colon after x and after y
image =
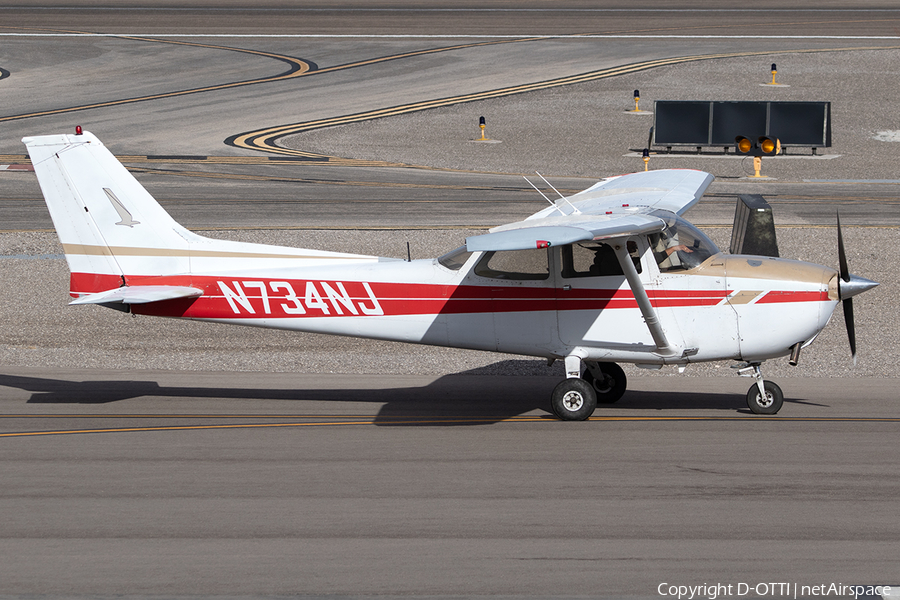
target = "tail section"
x: 114, y: 233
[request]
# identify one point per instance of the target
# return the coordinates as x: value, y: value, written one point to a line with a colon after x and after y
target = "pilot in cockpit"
x: 680, y: 246
x: 665, y: 249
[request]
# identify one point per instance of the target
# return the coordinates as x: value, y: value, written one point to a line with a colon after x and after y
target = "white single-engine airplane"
x: 610, y: 274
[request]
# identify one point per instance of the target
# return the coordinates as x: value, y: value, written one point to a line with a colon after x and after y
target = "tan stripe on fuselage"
x: 170, y: 252
x: 744, y: 297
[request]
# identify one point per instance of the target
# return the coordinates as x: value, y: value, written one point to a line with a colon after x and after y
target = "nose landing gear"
x: 764, y: 397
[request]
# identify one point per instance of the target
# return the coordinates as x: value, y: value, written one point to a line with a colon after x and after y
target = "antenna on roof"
x: 551, y: 185
x: 552, y: 203
x: 563, y: 198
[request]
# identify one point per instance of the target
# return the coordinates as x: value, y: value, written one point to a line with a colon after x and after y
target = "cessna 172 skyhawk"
x: 610, y: 274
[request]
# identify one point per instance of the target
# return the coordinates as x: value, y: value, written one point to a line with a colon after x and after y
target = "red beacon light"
x: 78, y: 130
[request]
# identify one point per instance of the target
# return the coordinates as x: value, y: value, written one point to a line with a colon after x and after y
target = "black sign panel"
x: 802, y: 123
x: 714, y: 123
x: 687, y: 122
x: 731, y: 119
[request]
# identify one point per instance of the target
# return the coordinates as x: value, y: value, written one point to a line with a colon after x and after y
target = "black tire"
x: 611, y: 387
x: 772, y: 403
x: 573, y: 400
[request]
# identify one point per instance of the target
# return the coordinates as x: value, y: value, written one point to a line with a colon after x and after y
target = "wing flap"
x: 558, y: 231
x: 140, y: 294
x: 525, y: 238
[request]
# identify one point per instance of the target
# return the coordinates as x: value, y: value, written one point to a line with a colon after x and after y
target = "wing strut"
x: 640, y: 294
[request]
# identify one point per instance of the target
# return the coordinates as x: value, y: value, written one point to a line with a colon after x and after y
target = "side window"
x: 595, y: 260
x: 514, y: 264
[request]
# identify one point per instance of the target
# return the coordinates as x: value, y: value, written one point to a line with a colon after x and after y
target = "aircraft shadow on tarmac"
x: 459, y: 399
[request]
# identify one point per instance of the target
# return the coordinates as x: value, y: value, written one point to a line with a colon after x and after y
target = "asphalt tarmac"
x: 158, y: 458
x: 174, y: 483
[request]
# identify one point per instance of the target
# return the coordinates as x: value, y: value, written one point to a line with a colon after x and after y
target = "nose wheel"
x: 763, y: 397
x: 768, y: 404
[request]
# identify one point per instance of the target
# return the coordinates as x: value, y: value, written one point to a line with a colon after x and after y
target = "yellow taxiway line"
x: 338, y: 420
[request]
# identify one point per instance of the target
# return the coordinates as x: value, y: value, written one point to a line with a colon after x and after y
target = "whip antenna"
x: 552, y: 203
x: 563, y: 198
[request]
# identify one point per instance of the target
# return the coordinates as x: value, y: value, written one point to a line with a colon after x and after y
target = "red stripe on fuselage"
x: 230, y: 298
x: 91, y: 283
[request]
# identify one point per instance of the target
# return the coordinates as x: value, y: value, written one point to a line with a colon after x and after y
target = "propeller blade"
x: 851, y: 328
x: 842, y: 256
x: 849, y: 286
x: 848, y: 303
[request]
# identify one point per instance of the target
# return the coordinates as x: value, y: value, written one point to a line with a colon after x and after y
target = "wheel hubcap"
x: 573, y: 401
x: 766, y: 401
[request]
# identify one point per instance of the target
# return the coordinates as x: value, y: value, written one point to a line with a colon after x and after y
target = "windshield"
x: 680, y: 245
x: 455, y: 259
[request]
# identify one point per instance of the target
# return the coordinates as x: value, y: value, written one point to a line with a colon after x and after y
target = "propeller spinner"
x: 849, y: 286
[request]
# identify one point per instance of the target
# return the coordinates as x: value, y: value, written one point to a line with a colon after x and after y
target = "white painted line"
x: 464, y: 36
x: 462, y: 10
x: 892, y: 181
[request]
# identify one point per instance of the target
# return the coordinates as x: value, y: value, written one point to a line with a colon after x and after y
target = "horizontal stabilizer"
x: 140, y: 294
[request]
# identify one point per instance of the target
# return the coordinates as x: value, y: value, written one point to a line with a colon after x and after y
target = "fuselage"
x: 729, y: 307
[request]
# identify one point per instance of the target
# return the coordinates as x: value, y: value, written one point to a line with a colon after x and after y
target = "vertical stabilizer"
x: 109, y: 225
x: 114, y: 233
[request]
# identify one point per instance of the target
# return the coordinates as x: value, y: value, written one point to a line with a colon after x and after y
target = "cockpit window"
x: 514, y: 264
x: 455, y: 259
x: 680, y: 246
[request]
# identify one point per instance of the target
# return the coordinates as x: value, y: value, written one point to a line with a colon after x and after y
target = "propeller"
x: 849, y: 286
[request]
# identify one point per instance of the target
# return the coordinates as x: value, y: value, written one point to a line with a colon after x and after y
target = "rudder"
x: 109, y: 225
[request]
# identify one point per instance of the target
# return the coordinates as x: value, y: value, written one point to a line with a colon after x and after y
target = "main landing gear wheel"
x: 611, y: 386
x: 769, y: 405
x: 573, y: 400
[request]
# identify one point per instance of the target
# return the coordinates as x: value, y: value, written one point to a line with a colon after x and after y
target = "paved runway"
x: 253, y: 484
x: 214, y: 470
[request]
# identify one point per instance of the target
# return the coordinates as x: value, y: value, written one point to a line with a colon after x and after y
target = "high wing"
x: 614, y: 207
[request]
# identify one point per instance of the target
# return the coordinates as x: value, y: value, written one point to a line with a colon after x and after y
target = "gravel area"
x: 580, y: 130
x: 584, y: 130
